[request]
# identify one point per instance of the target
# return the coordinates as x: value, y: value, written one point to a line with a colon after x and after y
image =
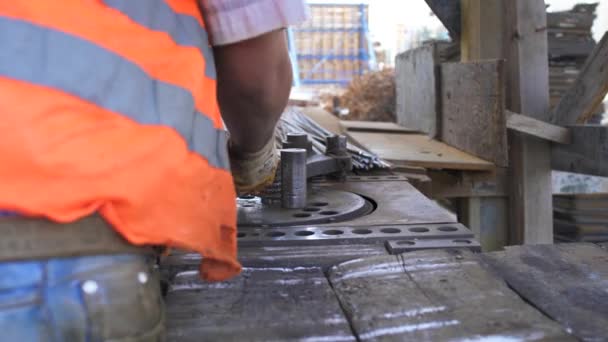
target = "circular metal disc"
x: 324, y: 206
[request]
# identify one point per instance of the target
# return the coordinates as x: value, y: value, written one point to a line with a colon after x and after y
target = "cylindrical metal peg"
x: 293, y: 178
x: 336, y: 145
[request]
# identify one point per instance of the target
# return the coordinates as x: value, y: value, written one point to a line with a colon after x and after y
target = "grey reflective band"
x: 157, y: 15
x: 54, y: 59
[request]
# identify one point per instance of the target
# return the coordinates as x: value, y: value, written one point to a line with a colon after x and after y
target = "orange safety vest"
x: 110, y: 106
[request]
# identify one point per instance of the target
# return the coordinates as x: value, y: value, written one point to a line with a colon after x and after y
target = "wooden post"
x: 526, y: 51
x: 482, y: 30
x: 481, y: 39
x: 516, y: 31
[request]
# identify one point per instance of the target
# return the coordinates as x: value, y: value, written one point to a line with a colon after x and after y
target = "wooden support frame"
x: 525, y: 51
x: 538, y: 128
x: 588, y: 153
x: 589, y: 90
x: 515, y: 30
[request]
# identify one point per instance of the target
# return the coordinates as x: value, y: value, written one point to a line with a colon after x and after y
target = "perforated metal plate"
x: 324, y: 206
x: 330, y: 235
x: 408, y: 245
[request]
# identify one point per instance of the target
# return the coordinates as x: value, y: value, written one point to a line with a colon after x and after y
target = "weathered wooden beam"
x: 538, y: 128
x: 473, y: 109
x: 481, y: 19
x: 448, y: 12
x: 586, y: 94
x: 587, y: 154
x: 417, y: 87
x: 525, y: 51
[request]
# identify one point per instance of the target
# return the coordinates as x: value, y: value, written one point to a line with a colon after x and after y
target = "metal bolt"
x: 90, y: 287
x: 336, y: 145
x: 293, y: 178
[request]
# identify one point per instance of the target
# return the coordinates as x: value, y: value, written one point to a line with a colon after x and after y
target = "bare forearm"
x: 254, y: 81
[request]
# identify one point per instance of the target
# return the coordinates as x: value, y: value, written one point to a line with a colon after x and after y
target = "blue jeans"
x: 89, y: 298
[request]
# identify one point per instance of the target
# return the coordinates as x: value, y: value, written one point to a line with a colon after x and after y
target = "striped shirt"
x: 231, y: 21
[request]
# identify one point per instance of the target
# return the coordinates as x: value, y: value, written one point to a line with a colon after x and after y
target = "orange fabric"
x: 63, y: 158
x: 186, y: 7
x: 153, y: 51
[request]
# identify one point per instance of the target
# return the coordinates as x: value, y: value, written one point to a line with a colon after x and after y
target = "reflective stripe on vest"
x: 51, y: 58
x: 157, y: 15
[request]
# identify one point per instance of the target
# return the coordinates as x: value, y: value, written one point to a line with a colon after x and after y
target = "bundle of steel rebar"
x: 294, y: 121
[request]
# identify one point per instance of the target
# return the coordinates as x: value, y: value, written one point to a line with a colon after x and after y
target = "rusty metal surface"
x: 567, y: 282
x: 435, y: 296
x: 410, y: 245
x: 262, y: 304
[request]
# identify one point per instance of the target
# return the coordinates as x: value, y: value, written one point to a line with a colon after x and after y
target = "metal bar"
x: 293, y: 178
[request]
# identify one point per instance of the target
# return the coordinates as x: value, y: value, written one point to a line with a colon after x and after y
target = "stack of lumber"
x: 581, y: 217
x: 570, y: 43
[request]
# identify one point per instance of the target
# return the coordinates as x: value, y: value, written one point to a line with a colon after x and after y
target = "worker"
x: 112, y: 142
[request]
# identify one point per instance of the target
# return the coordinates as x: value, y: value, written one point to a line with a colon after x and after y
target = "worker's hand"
x: 254, y: 171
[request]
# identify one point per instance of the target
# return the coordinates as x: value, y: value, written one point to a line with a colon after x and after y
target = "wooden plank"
x: 473, y: 109
x: 416, y: 86
x: 374, y: 126
x: 580, y: 102
x: 434, y: 296
x: 418, y: 150
x: 587, y: 154
x: 525, y: 47
x: 289, y: 303
x: 566, y: 281
x: 538, y: 128
x: 448, y: 12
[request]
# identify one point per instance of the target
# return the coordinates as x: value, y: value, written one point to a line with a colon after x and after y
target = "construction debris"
x: 370, y: 97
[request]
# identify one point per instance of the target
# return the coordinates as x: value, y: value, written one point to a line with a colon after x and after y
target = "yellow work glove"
x: 253, y: 172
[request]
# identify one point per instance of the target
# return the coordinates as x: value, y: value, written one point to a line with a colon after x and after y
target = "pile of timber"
x: 570, y: 43
x: 581, y: 217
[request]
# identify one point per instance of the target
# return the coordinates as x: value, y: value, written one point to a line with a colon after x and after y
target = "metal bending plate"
x: 324, y: 206
x: 410, y: 245
x: 349, y: 235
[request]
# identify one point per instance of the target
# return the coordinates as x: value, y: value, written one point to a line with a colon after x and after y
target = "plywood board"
x: 473, y: 109
x: 324, y: 118
x: 374, y: 126
x: 416, y: 77
x: 418, y: 150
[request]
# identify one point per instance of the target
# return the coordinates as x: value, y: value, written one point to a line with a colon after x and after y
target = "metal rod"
x: 293, y: 178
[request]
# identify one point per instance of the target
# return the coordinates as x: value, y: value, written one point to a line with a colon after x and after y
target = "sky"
x: 385, y: 14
